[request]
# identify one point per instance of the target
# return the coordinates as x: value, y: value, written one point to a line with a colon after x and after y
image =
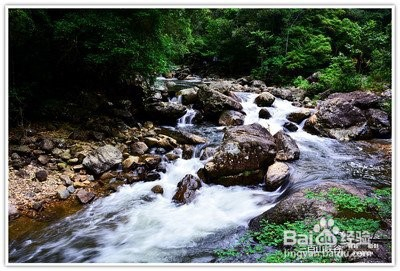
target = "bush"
x: 341, y: 75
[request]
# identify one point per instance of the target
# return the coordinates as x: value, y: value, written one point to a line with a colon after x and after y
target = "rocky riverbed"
x: 237, y: 134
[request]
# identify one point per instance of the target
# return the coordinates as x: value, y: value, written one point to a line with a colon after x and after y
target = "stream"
x: 134, y: 225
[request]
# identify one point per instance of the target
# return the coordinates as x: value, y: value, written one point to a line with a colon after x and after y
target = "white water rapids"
x: 134, y: 225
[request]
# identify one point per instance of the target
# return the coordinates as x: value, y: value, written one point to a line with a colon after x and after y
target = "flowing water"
x: 135, y: 225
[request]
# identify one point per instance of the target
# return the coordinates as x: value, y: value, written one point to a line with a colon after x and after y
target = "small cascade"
x: 187, y: 119
x: 175, y: 100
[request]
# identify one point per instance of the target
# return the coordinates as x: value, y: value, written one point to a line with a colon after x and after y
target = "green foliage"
x: 341, y: 75
x: 271, y: 234
x: 58, y: 52
x: 357, y: 224
x: 224, y: 253
x: 379, y: 202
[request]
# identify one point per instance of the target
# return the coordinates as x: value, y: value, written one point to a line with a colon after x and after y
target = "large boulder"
x: 286, y: 147
x: 165, y: 112
x: 102, y: 159
x: 277, y: 174
x: 360, y: 99
x: 242, y: 159
x: 214, y: 103
x: 283, y: 93
x: 186, y: 189
x: 189, y: 95
x: 264, y: 99
x: 224, y: 87
x: 347, y: 116
x: 231, y: 118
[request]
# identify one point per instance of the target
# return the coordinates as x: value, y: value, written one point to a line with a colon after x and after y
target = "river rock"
x: 43, y: 159
x: 71, y: 189
x: 258, y: 84
x: 150, y: 160
x: 299, y: 116
x: 171, y: 156
x: 41, y: 175
x: 207, y: 153
x: 277, y: 174
x: 264, y: 113
x: 47, y: 145
x: 161, y: 141
x: 62, y: 192
x: 379, y: 122
x: 187, y: 151
x: 13, y: 212
x: 283, y: 93
x: 84, y: 196
x: 165, y: 112
x: 286, y: 147
x: 245, y: 151
x: 170, y: 84
x: 213, y: 103
x: 231, y: 118
x: 129, y: 162
x: 183, y: 137
x: 339, y: 117
x: 157, y: 189
x: 189, y: 95
x: 20, y: 149
x: 102, y: 159
x: 66, y: 180
x: 290, y: 126
x: 360, y: 99
x: 139, y: 148
x: 182, y: 73
x: 264, y: 99
x: 66, y: 155
x: 186, y: 189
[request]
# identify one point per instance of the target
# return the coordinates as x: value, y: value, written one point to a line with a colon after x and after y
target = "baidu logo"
x: 324, y: 233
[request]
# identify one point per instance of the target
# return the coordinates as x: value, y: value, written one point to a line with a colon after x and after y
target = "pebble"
x: 62, y: 192
x: 73, y: 161
x: 79, y: 185
x: 37, y: 205
x: 43, y: 159
x: 71, y: 189
x: 61, y: 166
x: 84, y: 196
x: 157, y: 189
x: 41, y: 175
x: 78, y: 167
x: 66, y: 180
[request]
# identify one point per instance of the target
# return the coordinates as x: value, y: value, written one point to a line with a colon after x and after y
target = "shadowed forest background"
x: 59, y: 59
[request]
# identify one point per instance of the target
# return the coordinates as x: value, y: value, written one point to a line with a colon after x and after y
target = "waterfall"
x: 187, y: 119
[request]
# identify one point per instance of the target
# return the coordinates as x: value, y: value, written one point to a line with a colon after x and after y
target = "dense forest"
x: 58, y: 55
